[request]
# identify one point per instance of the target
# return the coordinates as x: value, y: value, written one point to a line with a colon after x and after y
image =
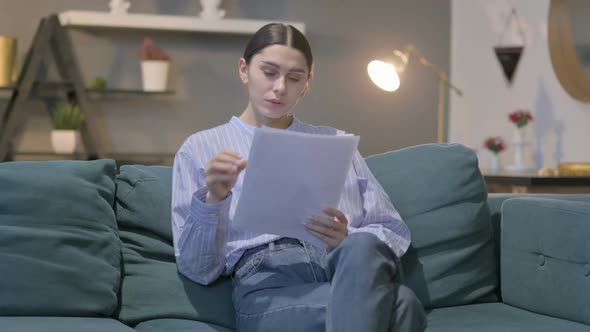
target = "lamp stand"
x: 443, y: 83
x: 441, y: 114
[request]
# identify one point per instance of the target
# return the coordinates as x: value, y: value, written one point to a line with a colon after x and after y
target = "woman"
x: 283, y: 283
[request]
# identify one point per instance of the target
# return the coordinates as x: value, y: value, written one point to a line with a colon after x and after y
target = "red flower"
x: 520, y: 117
x: 495, y: 144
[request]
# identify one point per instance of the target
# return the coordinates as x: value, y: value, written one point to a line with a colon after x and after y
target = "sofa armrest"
x: 545, y: 257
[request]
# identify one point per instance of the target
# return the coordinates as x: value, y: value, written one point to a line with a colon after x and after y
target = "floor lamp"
x: 386, y: 75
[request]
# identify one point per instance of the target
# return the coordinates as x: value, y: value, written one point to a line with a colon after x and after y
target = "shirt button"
x: 541, y: 260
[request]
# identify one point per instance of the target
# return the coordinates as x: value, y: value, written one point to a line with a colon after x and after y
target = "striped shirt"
x: 206, y: 246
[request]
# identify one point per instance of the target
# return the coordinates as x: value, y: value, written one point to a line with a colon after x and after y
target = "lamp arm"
x: 440, y: 75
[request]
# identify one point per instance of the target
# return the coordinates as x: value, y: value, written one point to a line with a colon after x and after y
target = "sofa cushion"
x: 152, y: 286
x: 440, y: 194
x: 179, y: 325
x: 546, y: 257
x: 62, y: 324
x: 494, y: 317
x: 59, y: 250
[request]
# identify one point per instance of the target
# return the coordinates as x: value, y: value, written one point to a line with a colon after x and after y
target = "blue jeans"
x: 289, y: 285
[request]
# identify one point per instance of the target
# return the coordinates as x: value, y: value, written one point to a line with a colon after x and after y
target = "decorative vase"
x: 494, y: 163
x: 519, y: 144
x: 519, y: 148
x: 7, y: 60
x: 119, y: 7
x: 154, y: 74
x: 65, y: 141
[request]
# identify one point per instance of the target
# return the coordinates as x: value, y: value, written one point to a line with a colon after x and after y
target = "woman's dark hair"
x: 278, y: 34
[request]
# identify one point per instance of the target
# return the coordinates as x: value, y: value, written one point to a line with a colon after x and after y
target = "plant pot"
x: 154, y: 74
x: 65, y: 141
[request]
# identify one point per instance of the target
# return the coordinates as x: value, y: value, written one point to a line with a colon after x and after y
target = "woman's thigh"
x: 280, y: 290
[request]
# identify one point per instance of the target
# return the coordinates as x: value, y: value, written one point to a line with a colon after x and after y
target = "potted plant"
x: 67, y: 120
x: 155, y: 65
x: 495, y: 145
x: 98, y: 83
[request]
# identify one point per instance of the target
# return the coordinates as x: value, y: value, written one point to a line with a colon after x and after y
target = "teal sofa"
x: 86, y: 248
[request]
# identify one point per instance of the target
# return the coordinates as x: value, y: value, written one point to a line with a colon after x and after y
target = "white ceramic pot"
x: 154, y: 74
x: 65, y: 141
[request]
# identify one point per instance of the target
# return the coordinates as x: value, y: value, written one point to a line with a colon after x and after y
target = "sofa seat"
x: 494, y: 317
x: 179, y: 325
x: 62, y: 324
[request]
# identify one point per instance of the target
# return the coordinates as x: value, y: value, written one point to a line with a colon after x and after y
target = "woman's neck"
x: 253, y: 118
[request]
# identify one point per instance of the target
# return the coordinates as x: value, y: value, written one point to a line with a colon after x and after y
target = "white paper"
x: 290, y: 177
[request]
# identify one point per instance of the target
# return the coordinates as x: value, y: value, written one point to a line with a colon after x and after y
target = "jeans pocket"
x: 250, y: 266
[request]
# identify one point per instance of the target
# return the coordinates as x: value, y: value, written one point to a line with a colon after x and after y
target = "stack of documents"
x: 290, y: 177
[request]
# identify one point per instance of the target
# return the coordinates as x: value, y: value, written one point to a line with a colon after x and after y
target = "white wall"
x: 560, y: 131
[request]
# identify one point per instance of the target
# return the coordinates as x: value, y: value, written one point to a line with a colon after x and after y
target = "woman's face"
x: 277, y: 77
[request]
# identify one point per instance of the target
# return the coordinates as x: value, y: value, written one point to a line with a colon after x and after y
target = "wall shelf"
x: 60, y: 89
x: 165, y: 22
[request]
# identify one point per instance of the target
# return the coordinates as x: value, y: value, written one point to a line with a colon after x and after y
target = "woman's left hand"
x: 330, y: 230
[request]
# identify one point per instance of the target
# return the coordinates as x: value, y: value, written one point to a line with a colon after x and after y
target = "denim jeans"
x: 289, y: 285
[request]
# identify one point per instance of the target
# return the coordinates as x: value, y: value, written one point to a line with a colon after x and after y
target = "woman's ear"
x: 243, y: 69
x: 308, y: 83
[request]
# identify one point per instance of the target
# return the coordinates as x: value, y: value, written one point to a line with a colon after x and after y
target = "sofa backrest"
x: 60, y: 253
x: 441, y: 195
x: 152, y: 287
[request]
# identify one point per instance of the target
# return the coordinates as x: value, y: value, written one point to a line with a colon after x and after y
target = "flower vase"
x: 494, y: 163
x: 519, y: 144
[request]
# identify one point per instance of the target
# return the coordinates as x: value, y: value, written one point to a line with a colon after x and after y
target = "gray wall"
x: 344, y: 34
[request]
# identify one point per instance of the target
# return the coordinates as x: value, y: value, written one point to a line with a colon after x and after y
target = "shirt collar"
x: 249, y: 129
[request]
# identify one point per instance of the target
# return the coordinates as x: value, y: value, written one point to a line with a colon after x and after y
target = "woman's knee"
x: 363, y: 243
x: 363, y: 248
x: 363, y: 252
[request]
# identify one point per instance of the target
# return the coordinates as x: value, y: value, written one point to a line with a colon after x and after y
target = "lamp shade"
x: 384, y: 75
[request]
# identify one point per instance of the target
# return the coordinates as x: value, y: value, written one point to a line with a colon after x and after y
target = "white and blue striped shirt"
x: 205, y: 244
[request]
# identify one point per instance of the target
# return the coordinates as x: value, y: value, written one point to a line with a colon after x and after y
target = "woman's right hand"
x: 222, y: 173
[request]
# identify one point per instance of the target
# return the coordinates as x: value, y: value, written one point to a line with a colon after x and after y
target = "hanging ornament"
x: 509, y: 55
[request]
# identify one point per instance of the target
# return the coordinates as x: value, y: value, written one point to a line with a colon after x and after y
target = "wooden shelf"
x: 165, y: 22
x: 59, y: 89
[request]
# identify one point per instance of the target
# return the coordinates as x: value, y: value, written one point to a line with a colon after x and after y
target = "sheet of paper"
x: 290, y: 177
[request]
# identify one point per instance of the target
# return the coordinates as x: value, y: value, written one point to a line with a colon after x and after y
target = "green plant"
x: 67, y: 116
x: 98, y: 83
